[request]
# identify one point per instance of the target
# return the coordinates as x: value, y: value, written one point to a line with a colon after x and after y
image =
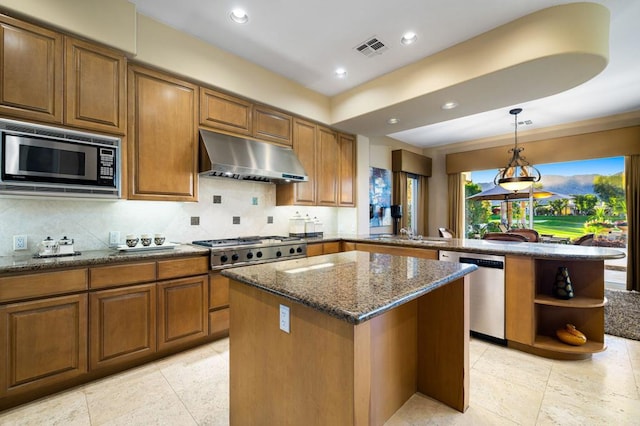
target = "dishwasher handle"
x: 483, y: 263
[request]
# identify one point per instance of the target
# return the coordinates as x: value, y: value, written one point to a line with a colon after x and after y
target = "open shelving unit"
x: 585, y: 310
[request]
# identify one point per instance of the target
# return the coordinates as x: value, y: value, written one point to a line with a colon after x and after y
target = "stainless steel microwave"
x: 42, y: 160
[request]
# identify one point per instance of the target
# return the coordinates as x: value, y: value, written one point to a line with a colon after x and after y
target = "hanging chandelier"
x: 519, y: 174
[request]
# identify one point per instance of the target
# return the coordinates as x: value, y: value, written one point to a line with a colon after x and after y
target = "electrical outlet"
x: 254, y: 201
x: 269, y: 219
x: 236, y: 220
x: 284, y: 318
x: 20, y: 242
x: 195, y: 220
x: 114, y: 238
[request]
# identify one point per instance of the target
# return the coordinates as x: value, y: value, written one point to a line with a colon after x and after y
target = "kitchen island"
x: 362, y: 333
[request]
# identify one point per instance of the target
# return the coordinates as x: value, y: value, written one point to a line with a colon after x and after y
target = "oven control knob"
x: 234, y: 257
x: 249, y: 255
x: 224, y: 258
x: 299, y: 249
x: 278, y: 253
x: 259, y: 254
x: 292, y: 250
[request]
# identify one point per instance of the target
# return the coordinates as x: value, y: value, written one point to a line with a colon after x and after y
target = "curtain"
x: 423, y: 206
x: 454, y: 219
x: 632, y: 179
x: 400, y: 195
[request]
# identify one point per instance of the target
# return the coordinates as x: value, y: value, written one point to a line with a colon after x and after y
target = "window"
x: 412, y: 201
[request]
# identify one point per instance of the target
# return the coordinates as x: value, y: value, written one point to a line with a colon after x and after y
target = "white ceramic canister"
x: 318, y: 227
x: 296, y: 226
x: 309, y: 227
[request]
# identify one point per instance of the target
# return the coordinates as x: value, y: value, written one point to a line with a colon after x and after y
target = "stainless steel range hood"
x: 249, y: 160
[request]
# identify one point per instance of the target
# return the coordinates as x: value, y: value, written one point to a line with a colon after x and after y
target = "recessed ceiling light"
x: 409, y: 38
x: 393, y: 120
x: 449, y: 105
x: 239, y: 16
x: 341, y: 73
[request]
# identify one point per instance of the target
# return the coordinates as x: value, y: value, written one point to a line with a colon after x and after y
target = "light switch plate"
x: 284, y: 318
x: 114, y: 238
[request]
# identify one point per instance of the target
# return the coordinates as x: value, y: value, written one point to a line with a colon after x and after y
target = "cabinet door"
x: 162, y: 163
x: 304, y: 145
x: 183, y: 309
x: 31, y: 80
x: 347, y: 180
x: 271, y: 125
x: 95, y: 87
x: 42, y: 343
x: 123, y: 325
x: 218, y: 291
x: 224, y: 112
x: 328, y: 167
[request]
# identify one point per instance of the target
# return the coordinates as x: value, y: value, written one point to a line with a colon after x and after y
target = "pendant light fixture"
x: 519, y: 174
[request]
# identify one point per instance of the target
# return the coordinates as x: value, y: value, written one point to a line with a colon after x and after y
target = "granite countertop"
x: 536, y: 250
x: 27, y: 263
x: 352, y: 286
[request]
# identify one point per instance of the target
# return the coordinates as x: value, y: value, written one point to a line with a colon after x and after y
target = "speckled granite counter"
x: 352, y: 286
x: 22, y: 264
x: 535, y: 250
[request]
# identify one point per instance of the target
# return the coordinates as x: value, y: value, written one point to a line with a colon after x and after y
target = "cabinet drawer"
x: 43, y: 284
x: 314, y: 249
x: 183, y: 267
x: 219, y: 321
x: 332, y: 247
x: 218, y: 291
x: 132, y: 273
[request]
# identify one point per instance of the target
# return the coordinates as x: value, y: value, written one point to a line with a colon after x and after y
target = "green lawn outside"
x: 558, y: 226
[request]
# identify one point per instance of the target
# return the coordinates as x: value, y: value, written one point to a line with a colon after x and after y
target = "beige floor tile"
x: 203, y: 387
x: 476, y: 348
x: 123, y: 394
x: 570, y: 406
x: 167, y: 410
x: 422, y: 410
x: 65, y: 408
x: 509, y: 400
x: 515, y: 367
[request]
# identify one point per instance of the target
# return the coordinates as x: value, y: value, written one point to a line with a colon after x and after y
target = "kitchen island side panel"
x: 328, y: 371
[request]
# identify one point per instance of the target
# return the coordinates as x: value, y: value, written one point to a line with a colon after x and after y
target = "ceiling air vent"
x: 372, y: 46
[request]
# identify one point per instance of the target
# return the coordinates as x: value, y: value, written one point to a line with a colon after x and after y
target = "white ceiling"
x: 306, y: 41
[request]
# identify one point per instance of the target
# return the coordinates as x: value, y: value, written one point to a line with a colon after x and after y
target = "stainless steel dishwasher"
x: 486, y: 293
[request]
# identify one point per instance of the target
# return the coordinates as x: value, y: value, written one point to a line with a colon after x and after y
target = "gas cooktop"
x: 242, y: 241
x: 241, y: 251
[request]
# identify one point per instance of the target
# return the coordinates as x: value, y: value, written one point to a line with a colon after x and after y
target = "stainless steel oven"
x: 41, y: 160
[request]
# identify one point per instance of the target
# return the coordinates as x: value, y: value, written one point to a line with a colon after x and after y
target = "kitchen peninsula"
x: 532, y: 313
x: 346, y: 338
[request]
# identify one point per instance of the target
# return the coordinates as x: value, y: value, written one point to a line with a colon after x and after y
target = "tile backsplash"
x: 88, y: 222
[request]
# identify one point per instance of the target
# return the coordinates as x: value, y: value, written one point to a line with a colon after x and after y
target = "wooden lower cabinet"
x: 43, y: 342
x: 123, y: 324
x: 399, y: 251
x: 182, y: 311
x: 316, y: 249
x: 218, y: 304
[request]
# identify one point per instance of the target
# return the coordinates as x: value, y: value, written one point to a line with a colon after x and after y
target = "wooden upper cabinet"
x: 162, y: 137
x: 347, y: 181
x: 225, y: 112
x: 95, y: 96
x: 31, y: 71
x: 328, y: 167
x: 304, y: 145
x: 272, y: 125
